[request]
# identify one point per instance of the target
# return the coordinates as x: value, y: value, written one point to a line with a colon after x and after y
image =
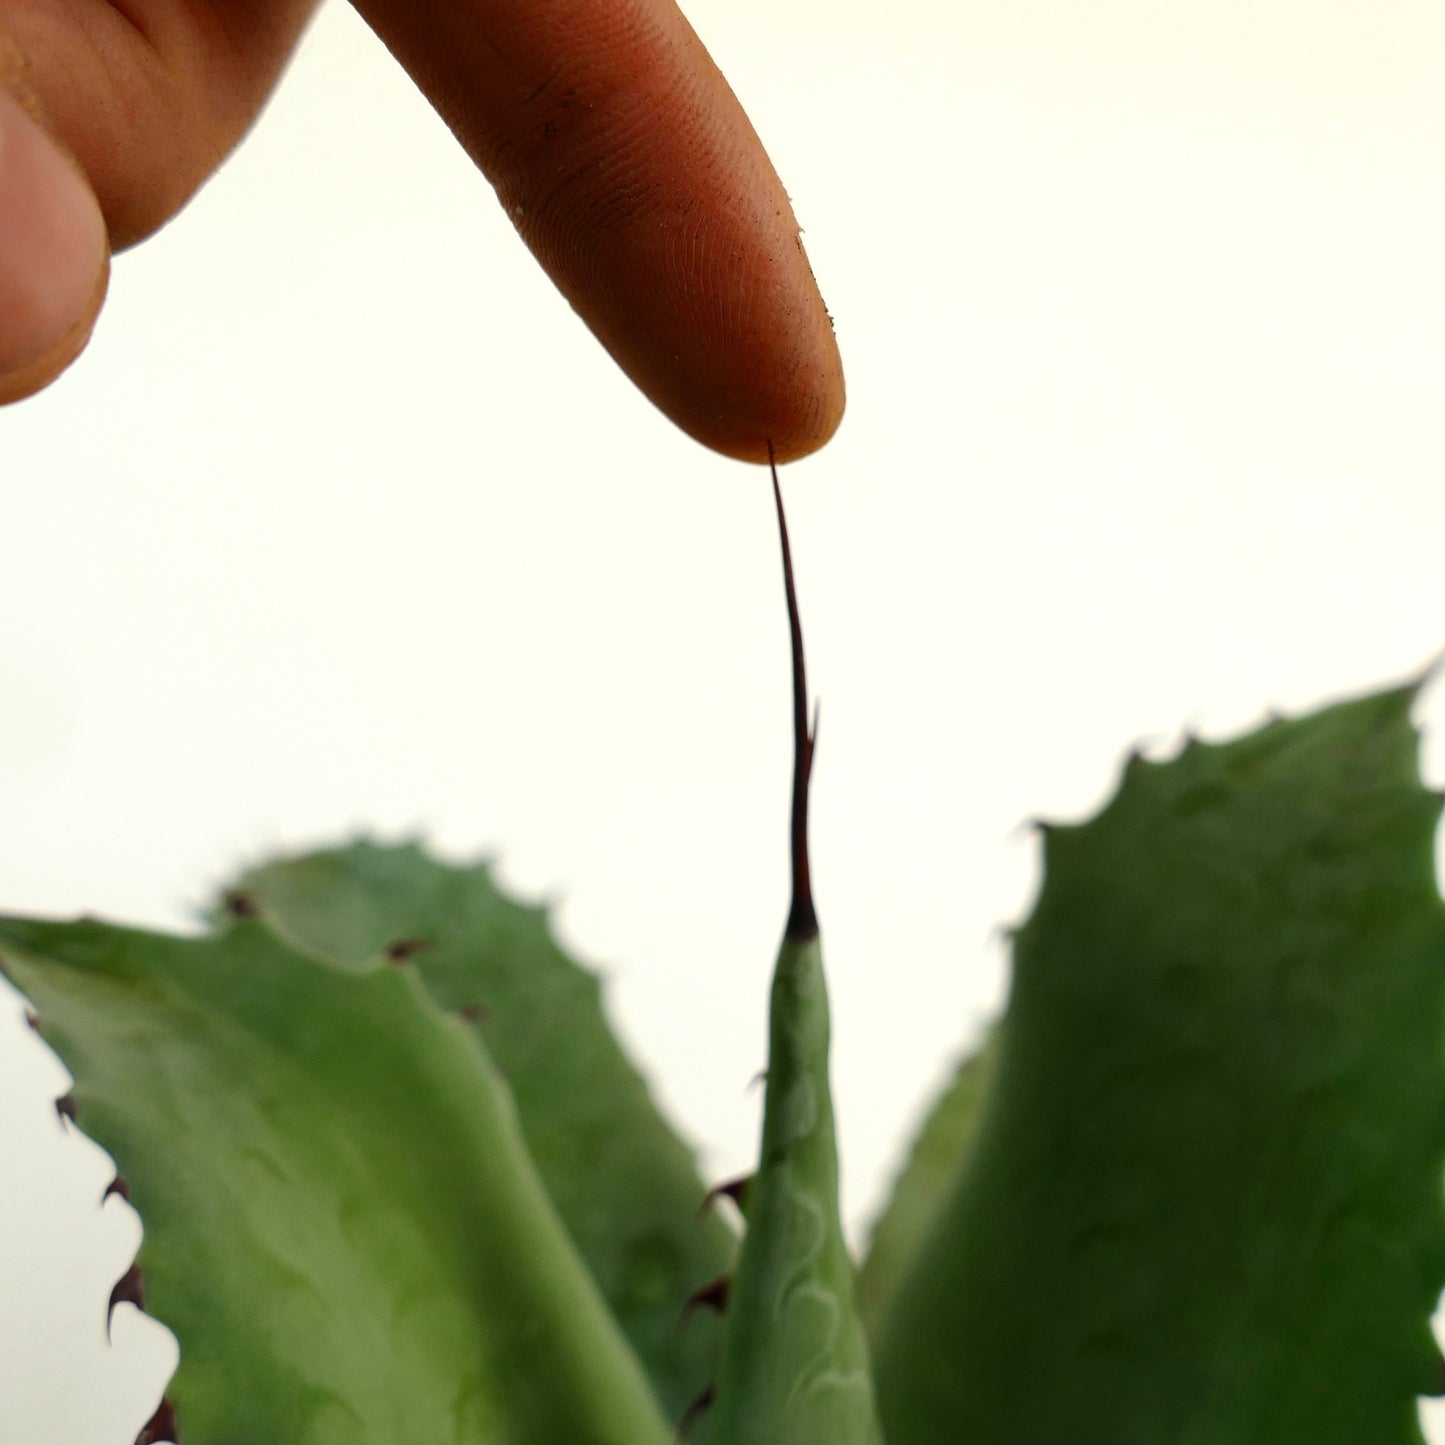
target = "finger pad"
x: 628, y: 166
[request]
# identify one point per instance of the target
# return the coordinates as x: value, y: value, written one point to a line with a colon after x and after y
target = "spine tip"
x: 802, y: 916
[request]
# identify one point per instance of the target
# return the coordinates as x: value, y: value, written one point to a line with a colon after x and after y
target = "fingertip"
x: 35, y: 371
x: 630, y: 169
x: 794, y: 414
x: 735, y: 345
x: 54, y: 252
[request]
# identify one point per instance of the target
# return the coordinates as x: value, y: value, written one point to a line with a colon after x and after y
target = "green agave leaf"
x: 923, y: 1183
x: 626, y: 1187
x: 1204, y: 1201
x: 342, y: 1224
x: 795, y: 1362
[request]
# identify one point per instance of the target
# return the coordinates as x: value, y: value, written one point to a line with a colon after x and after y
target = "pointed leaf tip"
x: 802, y: 917
x: 794, y: 1365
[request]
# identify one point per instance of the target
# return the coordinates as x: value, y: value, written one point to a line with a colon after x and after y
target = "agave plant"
x: 401, y: 1185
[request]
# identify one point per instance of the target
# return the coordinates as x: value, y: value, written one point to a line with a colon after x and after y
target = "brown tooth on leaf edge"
x: 129, y: 1289
x: 32, y: 1020
x: 240, y: 904
x: 405, y: 948
x: 734, y: 1189
x: 65, y: 1107
x: 713, y: 1295
x: 761, y: 1077
x: 118, y: 1186
x: 160, y: 1426
x: 694, y: 1412
x: 474, y: 1013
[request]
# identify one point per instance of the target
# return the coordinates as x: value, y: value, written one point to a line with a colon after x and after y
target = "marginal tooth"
x: 129, y: 1289
x: 240, y: 904
x: 118, y: 1186
x: 65, y: 1107
x: 713, y: 1295
x: 32, y: 1020
x: 734, y: 1189
x: 694, y: 1412
x: 474, y: 1013
x: 160, y: 1426
x: 405, y: 948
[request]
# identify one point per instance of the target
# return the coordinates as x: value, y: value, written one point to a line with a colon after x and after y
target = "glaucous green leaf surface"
x: 795, y: 1365
x: 626, y: 1187
x: 931, y: 1167
x: 342, y: 1224
x: 1204, y: 1203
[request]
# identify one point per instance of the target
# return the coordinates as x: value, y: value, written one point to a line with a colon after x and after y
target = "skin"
x: 612, y: 140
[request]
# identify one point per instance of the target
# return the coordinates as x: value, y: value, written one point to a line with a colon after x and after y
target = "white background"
x: 345, y: 522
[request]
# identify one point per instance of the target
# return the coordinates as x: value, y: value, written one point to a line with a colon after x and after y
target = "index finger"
x: 629, y: 168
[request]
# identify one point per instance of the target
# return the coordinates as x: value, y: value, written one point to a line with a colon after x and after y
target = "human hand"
x: 613, y: 142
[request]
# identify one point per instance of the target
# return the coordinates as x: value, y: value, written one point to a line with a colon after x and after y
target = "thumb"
x: 54, y: 253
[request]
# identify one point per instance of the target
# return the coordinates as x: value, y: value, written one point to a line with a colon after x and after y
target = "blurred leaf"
x: 1204, y: 1201
x: 922, y: 1184
x: 342, y: 1225
x: 626, y: 1187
